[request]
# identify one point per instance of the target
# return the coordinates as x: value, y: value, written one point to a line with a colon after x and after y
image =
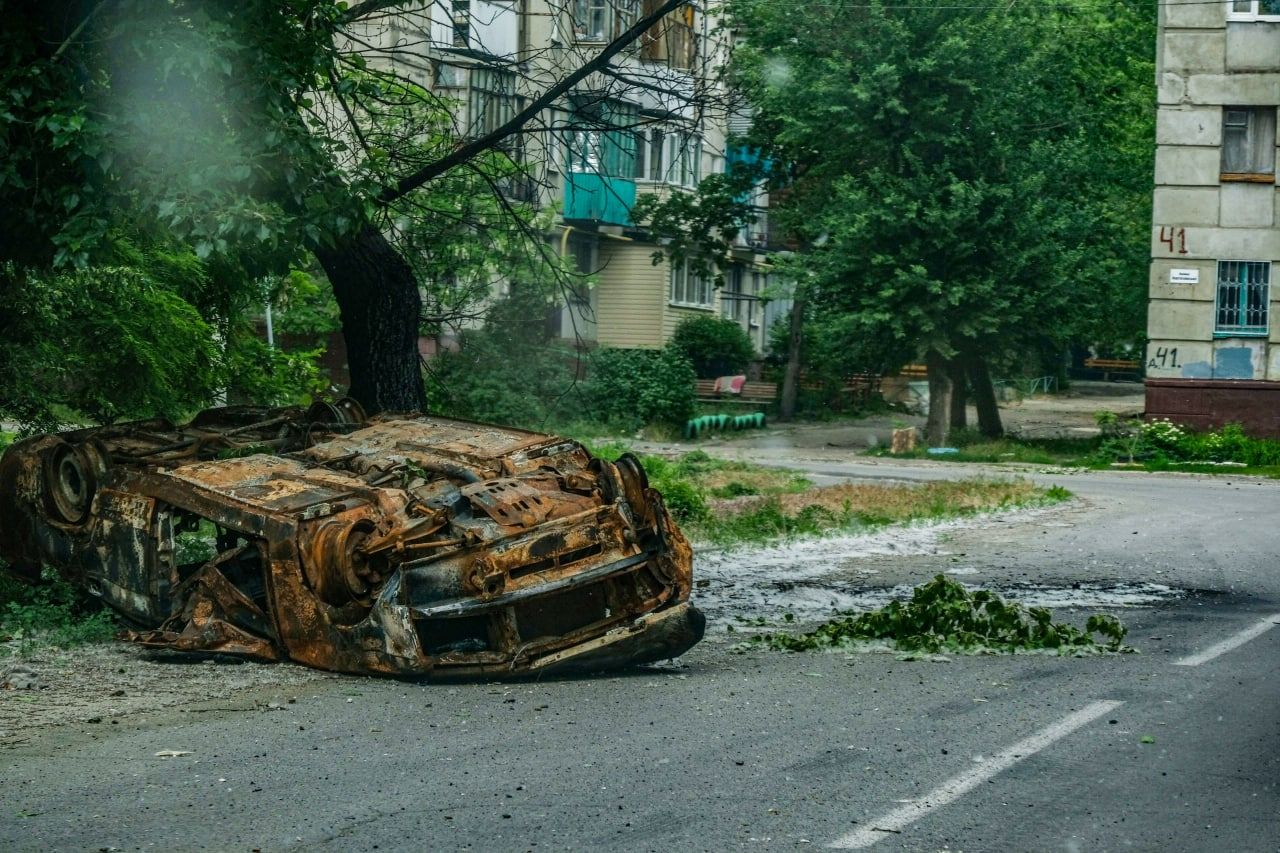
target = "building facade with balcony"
x: 1214, y: 352
x: 639, y: 129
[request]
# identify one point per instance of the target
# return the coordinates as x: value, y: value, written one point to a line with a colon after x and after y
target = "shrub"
x: 715, y: 346
x: 52, y: 611
x: 495, y: 379
x: 629, y: 388
x: 1161, y: 440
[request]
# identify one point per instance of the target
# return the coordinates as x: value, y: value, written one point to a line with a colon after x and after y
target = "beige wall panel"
x: 1186, y: 205
x: 1174, y: 359
x: 1253, y: 47
x: 1195, y: 15
x: 1180, y: 321
x: 1240, y: 90
x: 1195, y: 52
x: 1247, y: 206
x: 1172, y: 88
x: 1189, y: 126
x: 630, y: 296
x: 1203, y: 291
x: 1185, y: 166
x: 1241, y: 244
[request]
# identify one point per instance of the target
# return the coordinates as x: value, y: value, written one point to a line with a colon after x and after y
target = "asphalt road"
x: 1173, y: 749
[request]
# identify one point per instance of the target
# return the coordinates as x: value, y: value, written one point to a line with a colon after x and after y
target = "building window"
x: 655, y: 160
x: 603, y: 144
x: 1249, y: 143
x: 690, y: 289
x: 602, y: 20
x: 1253, y: 10
x: 731, y: 300
x: 462, y: 23
x: 493, y: 100
x: 683, y: 158
x: 670, y: 40
x: 1243, y: 298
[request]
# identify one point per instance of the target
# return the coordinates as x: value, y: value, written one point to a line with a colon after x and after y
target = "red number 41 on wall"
x: 1174, y: 238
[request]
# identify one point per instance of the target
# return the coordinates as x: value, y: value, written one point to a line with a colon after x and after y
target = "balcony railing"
x: 588, y: 196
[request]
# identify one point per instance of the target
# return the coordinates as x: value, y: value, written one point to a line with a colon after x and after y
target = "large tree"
x: 207, y: 144
x: 965, y: 181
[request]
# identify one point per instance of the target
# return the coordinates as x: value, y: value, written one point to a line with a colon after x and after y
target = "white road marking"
x: 1232, y: 642
x: 957, y: 786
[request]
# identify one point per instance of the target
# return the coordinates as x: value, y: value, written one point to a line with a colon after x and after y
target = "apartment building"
x: 1214, y: 355
x: 654, y: 123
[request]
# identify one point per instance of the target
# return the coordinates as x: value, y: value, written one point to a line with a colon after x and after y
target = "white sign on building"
x: 1184, y: 276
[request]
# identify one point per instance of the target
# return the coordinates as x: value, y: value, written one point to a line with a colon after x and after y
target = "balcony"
x: 598, y: 198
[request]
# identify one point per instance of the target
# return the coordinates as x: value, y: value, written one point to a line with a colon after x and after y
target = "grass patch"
x: 1069, y: 452
x: 943, y: 615
x: 851, y: 507
x: 728, y: 502
x: 51, y: 613
x: 1152, y: 446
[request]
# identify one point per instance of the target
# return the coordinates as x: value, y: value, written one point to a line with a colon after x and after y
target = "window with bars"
x: 1243, y: 298
x: 690, y: 289
x: 1253, y: 10
x: 1248, y: 143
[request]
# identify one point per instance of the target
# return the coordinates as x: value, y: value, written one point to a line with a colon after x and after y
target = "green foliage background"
x: 716, y: 346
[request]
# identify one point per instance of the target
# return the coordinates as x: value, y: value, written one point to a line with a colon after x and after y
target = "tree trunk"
x: 984, y: 397
x: 936, y: 428
x: 378, y: 297
x: 959, y: 399
x: 791, y: 376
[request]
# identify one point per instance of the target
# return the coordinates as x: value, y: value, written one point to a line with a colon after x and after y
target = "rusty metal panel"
x: 396, y: 545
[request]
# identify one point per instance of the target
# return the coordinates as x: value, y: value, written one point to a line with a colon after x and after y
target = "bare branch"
x: 477, y: 146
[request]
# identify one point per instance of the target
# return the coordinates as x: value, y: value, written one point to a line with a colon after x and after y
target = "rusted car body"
x: 404, y: 545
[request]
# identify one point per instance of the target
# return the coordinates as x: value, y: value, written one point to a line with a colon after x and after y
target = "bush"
x: 716, y: 347
x: 491, y: 379
x: 1163, y: 441
x: 50, y: 612
x: 629, y: 388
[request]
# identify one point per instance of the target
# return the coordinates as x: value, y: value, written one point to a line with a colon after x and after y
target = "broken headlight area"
x: 397, y: 545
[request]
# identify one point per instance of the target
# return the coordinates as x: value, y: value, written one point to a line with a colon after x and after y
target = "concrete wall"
x: 1206, y: 63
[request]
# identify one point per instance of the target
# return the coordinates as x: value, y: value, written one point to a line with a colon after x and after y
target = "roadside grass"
x: 971, y: 447
x: 729, y: 502
x: 52, y: 613
x: 852, y: 507
x: 1155, y: 446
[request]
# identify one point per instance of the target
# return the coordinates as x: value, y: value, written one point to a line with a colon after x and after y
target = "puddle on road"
x: 814, y: 579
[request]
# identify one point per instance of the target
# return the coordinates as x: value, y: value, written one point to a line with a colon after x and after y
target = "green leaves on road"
x: 944, y: 615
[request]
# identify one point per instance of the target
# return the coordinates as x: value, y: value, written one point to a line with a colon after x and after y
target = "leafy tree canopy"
x: 960, y: 178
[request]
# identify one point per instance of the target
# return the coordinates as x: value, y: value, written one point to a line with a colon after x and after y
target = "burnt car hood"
x: 399, y: 545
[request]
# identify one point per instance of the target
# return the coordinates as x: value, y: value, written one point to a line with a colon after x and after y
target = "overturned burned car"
x: 403, y: 545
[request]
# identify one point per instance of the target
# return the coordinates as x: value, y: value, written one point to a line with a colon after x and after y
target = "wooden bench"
x: 1109, y: 366
x: 752, y: 394
x: 858, y: 388
x: 914, y: 371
